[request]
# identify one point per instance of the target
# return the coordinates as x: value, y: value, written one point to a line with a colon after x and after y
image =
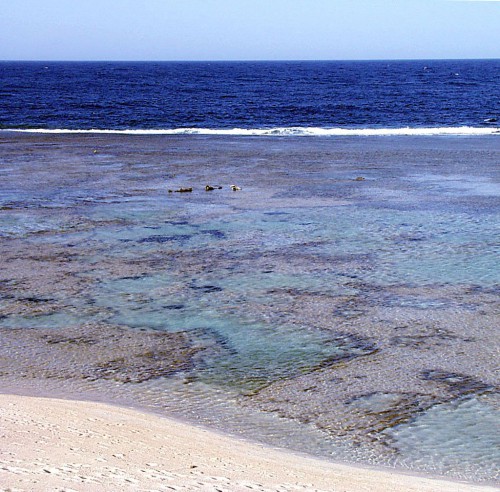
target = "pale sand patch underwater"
x: 50, y: 444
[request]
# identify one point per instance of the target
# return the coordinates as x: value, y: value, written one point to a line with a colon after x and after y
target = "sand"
x: 62, y: 445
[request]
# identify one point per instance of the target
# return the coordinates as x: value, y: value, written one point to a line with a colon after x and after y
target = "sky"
x: 248, y: 29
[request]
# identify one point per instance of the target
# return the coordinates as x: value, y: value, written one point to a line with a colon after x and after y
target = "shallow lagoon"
x: 342, y: 316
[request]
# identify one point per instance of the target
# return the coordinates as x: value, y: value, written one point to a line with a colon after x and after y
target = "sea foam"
x: 281, y: 131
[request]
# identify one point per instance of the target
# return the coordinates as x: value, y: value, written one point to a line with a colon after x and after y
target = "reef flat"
x: 335, y: 296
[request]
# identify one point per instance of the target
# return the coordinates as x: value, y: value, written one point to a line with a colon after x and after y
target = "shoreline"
x: 84, y: 445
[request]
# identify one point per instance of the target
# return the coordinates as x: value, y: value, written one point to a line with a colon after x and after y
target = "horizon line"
x: 215, y: 60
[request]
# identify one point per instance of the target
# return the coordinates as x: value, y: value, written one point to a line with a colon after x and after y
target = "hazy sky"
x: 248, y: 29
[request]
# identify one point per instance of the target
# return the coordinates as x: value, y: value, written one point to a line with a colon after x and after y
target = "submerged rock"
x: 181, y: 190
x: 93, y: 352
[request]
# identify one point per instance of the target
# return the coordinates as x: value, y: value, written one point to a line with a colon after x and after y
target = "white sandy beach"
x: 61, y: 445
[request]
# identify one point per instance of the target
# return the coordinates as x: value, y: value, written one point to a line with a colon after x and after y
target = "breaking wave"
x: 283, y: 131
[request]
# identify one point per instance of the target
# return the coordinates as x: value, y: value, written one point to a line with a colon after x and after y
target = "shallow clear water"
x: 315, y: 298
x: 463, y: 434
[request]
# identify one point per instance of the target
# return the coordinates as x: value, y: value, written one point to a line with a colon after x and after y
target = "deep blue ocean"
x: 255, y: 97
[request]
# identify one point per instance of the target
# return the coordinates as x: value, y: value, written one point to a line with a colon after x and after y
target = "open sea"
x: 287, y: 98
x: 342, y: 299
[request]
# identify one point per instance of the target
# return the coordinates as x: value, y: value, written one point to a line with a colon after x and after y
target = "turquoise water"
x: 286, y: 285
